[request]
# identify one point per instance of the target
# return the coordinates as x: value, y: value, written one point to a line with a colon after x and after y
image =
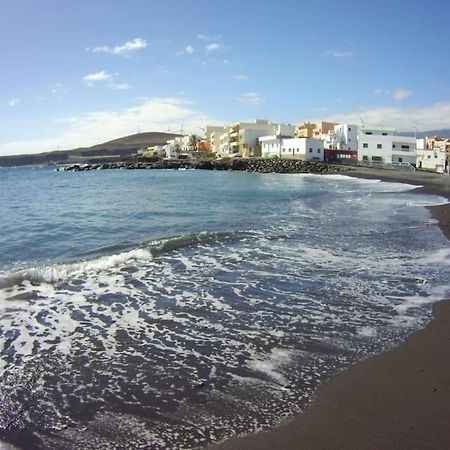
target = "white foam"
x: 272, y: 364
x: 59, y: 272
x: 367, y: 331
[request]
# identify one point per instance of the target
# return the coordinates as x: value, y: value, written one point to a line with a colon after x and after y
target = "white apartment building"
x: 383, y: 145
x: 434, y: 160
x: 224, y: 147
x: 179, y: 145
x: 212, y: 136
x: 307, y: 149
x: 343, y: 137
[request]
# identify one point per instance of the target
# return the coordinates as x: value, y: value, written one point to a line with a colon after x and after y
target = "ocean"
x: 173, y: 309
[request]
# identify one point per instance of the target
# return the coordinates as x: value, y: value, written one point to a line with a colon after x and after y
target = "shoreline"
x: 399, y: 399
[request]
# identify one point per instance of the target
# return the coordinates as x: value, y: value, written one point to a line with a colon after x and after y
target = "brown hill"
x: 111, y: 150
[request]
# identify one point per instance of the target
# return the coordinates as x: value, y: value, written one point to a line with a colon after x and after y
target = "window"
x: 310, y: 150
x: 318, y: 150
x: 379, y: 146
x: 400, y: 160
x: 298, y: 150
x: 365, y: 145
x: 368, y: 133
x: 393, y: 145
x: 349, y: 140
x: 405, y: 147
x: 377, y: 159
x: 365, y: 158
x: 383, y: 134
x: 349, y: 129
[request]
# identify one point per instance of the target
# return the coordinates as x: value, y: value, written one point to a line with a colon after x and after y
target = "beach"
x: 399, y: 399
x: 174, y: 321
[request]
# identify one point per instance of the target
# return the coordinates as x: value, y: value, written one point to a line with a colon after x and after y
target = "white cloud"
x: 395, y: 94
x: 251, y: 98
x: 95, y: 127
x: 214, y: 47
x: 401, y: 94
x: 188, y: 50
x: 430, y: 117
x: 98, y: 77
x: 340, y: 54
x: 205, y: 37
x: 120, y: 86
x: 123, y: 50
x: 13, y: 102
x: 240, y: 77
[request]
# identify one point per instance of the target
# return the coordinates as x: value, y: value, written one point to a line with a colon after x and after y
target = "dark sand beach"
x: 397, y: 400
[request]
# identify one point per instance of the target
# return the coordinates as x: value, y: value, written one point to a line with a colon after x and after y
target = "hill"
x: 430, y: 133
x: 111, y: 150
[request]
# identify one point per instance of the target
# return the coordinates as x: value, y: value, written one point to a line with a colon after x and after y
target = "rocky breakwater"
x: 260, y: 165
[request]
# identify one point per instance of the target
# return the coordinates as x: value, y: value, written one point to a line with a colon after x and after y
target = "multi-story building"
x: 344, y: 136
x: 381, y: 145
x: 322, y: 129
x: 306, y: 149
x: 241, y: 139
x: 212, y: 135
x: 181, y: 145
x: 306, y: 130
x: 438, y: 143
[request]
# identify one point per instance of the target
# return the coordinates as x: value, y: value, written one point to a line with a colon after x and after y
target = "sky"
x: 80, y: 72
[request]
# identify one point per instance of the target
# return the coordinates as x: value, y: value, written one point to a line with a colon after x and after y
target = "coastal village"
x: 322, y: 142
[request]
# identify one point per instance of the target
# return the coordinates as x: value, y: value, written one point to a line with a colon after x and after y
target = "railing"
x: 401, y: 166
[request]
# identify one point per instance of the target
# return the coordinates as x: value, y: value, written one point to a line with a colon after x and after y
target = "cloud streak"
x: 214, y: 47
x: 340, y: 54
x: 240, y: 77
x: 251, y: 98
x: 122, y: 50
x: 395, y: 94
x: 98, y: 76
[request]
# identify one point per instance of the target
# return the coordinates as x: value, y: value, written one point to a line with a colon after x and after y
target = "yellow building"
x: 306, y: 130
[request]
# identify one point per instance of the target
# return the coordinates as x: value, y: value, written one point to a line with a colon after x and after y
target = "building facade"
x: 306, y: 149
x: 344, y: 136
x: 242, y: 138
x: 433, y: 160
x: 377, y: 145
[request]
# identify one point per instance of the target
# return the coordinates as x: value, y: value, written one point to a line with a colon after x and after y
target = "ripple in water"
x: 185, y: 342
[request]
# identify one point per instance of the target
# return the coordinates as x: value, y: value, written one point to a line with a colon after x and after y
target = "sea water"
x: 173, y: 309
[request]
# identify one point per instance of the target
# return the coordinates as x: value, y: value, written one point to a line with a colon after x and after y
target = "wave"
x: 147, y: 252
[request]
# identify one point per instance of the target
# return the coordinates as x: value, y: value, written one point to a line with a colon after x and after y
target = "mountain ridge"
x: 111, y: 150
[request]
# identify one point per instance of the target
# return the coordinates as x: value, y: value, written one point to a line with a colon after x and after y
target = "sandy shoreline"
x: 397, y: 400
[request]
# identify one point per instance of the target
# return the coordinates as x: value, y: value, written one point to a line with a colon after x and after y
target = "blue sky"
x: 81, y: 72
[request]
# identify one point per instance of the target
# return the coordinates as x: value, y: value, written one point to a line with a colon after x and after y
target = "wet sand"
x: 397, y: 400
